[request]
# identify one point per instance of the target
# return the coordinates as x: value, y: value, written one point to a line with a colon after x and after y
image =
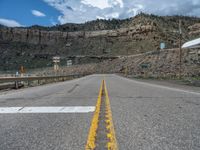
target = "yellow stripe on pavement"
x: 90, y: 145
x: 91, y: 141
x: 112, y: 144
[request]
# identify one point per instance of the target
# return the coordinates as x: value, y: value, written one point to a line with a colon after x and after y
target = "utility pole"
x: 126, y: 69
x: 180, y: 50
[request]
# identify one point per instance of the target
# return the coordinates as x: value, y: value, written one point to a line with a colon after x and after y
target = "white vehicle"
x: 192, y: 44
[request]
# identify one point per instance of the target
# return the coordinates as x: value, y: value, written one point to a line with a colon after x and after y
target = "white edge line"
x: 161, y: 86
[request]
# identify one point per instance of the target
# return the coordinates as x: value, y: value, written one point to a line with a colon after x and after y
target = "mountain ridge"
x: 35, y: 46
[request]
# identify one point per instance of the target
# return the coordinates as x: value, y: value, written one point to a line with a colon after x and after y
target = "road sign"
x: 162, y: 45
x: 69, y: 62
x: 56, y: 60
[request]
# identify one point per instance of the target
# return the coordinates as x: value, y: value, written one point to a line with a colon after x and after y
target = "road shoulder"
x: 167, y: 83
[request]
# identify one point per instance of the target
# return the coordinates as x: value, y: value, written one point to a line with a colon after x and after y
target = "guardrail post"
x: 28, y: 82
x: 16, y: 85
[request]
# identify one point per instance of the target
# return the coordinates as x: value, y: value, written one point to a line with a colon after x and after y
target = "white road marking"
x: 160, y: 86
x: 168, y: 88
x: 70, y: 109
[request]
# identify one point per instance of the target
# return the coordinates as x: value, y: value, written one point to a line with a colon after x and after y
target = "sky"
x: 52, y: 12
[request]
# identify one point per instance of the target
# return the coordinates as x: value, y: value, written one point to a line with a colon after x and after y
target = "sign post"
x: 56, y: 60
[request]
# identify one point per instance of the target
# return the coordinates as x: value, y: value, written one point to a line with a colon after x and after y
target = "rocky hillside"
x: 34, y: 46
x: 154, y: 64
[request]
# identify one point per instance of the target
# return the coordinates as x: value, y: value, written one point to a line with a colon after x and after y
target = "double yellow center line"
x: 110, y: 132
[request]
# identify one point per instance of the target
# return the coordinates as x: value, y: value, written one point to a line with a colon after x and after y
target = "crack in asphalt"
x: 73, y: 88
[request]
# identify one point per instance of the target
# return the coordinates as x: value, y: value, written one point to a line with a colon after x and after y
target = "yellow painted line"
x: 90, y: 145
x: 112, y: 144
x: 91, y: 141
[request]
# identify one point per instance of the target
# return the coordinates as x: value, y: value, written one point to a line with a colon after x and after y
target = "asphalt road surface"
x: 145, y: 116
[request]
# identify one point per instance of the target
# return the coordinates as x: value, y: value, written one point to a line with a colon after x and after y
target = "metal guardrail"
x: 31, y: 78
x: 16, y: 82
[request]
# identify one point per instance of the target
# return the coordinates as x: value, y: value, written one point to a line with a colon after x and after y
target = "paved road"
x: 153, y: 117
x: 145, y: 116
x: 49, y: 131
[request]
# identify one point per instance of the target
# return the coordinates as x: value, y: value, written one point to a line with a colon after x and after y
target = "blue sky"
x: 21, y: 11
x: 51, y: 12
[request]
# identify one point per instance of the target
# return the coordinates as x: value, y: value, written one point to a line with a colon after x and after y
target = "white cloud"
x: 134, y: 11
x: 102, y: 4
x: 112, y: 15
x: 78, y: 11
x: 99, y: 17
x: 38, y: 13
x: 120, y: 2
x: 9, y: 23
x: 97, y: 3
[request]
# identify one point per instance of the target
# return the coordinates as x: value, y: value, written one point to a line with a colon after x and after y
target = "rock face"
x: 35, y: 46
x: 194, y: 29
x: 39, y: 37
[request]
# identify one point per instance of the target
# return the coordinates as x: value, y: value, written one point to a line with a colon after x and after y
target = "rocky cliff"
x: 34, y: 46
